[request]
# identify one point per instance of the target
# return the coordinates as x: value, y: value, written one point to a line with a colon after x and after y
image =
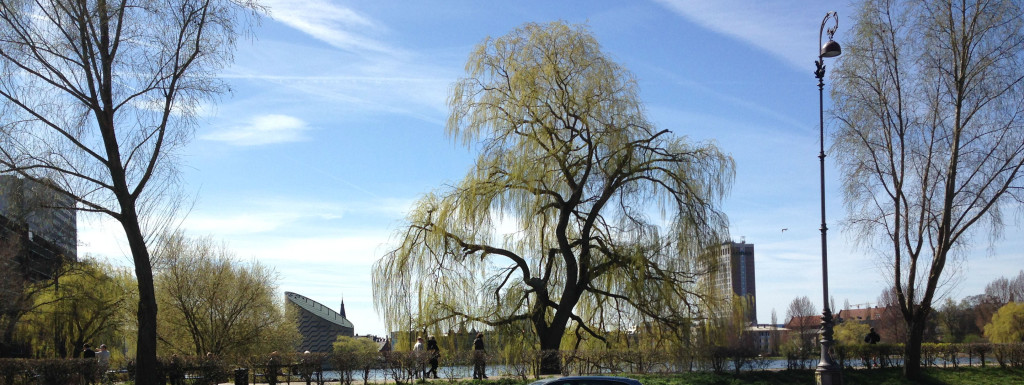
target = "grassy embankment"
x: 892, y: 376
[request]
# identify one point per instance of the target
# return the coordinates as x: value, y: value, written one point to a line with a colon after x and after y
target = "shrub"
x: 1011, y: 355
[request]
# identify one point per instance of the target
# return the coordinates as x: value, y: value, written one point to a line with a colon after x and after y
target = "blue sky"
x: 335, y: 126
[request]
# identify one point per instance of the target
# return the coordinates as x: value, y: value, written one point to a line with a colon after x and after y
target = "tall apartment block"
x: 41, y: 221
x: 735, y: 275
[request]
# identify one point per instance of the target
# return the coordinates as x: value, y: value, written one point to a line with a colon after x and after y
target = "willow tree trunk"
x: 550, y: 349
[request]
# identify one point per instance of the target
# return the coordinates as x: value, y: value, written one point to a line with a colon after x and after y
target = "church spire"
x: 342, y: 309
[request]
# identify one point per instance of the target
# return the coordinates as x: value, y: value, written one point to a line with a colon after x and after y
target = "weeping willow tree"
x: 610, y: 218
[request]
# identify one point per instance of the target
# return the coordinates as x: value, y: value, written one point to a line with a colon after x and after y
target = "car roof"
x: 587, y: 380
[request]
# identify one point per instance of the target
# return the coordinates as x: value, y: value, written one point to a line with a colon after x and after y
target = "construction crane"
x: 867, y: 305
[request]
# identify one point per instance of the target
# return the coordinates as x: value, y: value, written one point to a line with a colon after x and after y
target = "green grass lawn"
x: 893, y: 376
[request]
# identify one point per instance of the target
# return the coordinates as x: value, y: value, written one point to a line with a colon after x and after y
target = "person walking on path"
x: 103, y: 356
x: 103, y: 361
x: 176, y: 371
x: 273, y: 368
x: 306, y: 367
x: 90, y: 365
x: 435, y: 355
x: 479, y: 358
x: 418, y: 359
x: 872, y: 337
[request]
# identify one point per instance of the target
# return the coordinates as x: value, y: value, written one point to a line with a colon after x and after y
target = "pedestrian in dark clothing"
x: 435, y: 354
x: 88, y: 352
x: 212, y: 375
x: 176, y: 371
x: 273, y: 368
x: 479, y: 358
x: 90, y: 365
x: 872, y: 337
x: 306, y: 367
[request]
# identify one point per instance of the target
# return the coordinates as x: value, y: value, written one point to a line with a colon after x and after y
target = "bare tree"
x: 982, y: 308
x: 800, y: 307
x: 890, y: 324
x: 98, y: 95
x: 930, y: 104
x: 802, y: 321
x: 1006, y: 290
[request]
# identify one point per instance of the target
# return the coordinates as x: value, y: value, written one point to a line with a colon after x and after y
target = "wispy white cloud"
x: 421, y: 98
x: 294, y: 215
x: 258, y: 216
x: 262, y: 130
x: 340, y: 27
x: 353, y: 85
x: 787, y: 29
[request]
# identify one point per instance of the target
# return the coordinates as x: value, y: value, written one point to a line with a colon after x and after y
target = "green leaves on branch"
x: 578, y: 212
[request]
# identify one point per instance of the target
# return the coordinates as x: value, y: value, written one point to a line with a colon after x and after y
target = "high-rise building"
x: 735, y: 275
x: 41, y: 222
x: 45, y: 212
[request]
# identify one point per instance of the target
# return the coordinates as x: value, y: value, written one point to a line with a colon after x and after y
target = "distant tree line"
x: 210, y: 302
x: 994, y: 316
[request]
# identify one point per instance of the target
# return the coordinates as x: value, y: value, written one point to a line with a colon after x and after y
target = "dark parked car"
x: 587, y: 380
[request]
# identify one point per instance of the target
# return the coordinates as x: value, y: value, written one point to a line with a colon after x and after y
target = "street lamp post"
x: 828, y: 372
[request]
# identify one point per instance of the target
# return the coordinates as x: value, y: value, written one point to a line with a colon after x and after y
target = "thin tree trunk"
x: 146, y: 362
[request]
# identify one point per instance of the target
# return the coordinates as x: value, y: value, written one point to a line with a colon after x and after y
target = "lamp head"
x: 831, y: 49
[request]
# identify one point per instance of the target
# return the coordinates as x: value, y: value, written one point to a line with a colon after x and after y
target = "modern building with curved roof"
x: 319, y: 325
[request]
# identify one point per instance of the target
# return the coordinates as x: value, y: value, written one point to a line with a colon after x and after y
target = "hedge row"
x: 403, y: 367
x: 18, y: 371
x: 46, y: 371
x: 932, y: 355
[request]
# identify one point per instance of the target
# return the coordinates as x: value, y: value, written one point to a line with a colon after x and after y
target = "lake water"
x: 503, y: 370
